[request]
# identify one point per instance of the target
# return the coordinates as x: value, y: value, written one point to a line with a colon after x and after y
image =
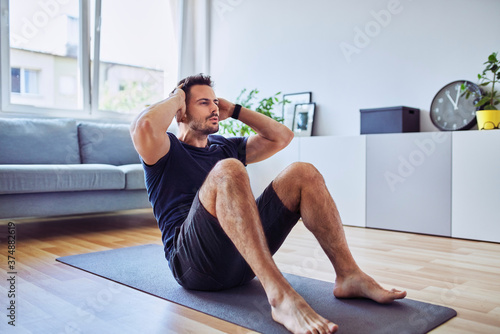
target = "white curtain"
x: 192, y: 19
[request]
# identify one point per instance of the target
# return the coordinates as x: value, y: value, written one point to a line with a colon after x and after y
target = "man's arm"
x: 271, y: 136
x: 149, y: 129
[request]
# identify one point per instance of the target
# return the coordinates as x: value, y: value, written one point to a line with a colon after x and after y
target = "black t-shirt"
x: 173, y: 181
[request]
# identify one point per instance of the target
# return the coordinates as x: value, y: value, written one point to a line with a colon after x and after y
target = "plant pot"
x: 488, y: 119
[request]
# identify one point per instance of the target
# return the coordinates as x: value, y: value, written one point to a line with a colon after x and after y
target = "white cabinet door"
x: 342, y: 161
x: 262, y: 173
x: 476, y: 185
x: 409, y: 182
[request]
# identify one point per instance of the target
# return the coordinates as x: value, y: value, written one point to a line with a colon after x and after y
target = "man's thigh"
x: 204, y: 258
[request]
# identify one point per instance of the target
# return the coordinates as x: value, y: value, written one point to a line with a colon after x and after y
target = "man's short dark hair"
x: 197, y: 79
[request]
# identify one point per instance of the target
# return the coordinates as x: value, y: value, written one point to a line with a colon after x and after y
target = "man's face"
x: 202, y: 110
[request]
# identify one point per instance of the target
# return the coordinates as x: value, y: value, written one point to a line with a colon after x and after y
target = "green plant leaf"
x: 247, y: 99
x: 493, y: 58
x: 483, y: 101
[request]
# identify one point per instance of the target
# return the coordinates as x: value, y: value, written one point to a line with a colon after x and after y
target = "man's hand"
x: 226, y: 109
x: 179, y: 92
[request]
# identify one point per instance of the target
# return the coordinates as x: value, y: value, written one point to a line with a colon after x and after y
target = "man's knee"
x: 227, y: 176
x: 293, y: 180
x: 305, y: 172
x: 229, y: 170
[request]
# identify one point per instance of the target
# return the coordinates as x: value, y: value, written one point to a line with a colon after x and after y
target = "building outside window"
x: 137, y: 64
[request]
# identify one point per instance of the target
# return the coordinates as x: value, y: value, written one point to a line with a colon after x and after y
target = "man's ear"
x: 181, y: 118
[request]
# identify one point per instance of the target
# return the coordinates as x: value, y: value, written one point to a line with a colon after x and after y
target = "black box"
x: 390, y: 120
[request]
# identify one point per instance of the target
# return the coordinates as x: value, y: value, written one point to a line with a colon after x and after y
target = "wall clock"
x: 451, y: 110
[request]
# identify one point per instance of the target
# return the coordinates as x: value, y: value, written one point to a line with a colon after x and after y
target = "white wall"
x: 296, y: 45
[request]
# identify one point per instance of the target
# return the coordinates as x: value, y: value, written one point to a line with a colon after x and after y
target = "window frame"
x: 83, y: 63
x: 88, y: 81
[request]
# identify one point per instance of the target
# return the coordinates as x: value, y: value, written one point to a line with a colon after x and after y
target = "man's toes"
x: 392, y: 295
x: 327, y: 327
x: 399, y: 294
x: 332, y: 328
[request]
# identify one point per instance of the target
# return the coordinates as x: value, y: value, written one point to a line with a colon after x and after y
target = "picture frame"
x: 303, y: 119
x: 289, y: 108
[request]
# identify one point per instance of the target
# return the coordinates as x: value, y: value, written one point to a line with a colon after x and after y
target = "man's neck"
x: 193, y: 139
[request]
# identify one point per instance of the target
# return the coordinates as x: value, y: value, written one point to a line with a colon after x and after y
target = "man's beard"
x: 202, y: 128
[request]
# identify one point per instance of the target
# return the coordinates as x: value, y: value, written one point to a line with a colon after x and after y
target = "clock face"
x: 452, y: 110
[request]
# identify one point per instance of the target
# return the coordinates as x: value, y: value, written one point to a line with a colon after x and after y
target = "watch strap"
x: 236, y: 111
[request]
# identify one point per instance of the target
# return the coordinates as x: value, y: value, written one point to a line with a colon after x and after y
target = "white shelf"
x: 342, y: 162
x: 440, y: 183
x: 476, y: 185
x: 408, y: 182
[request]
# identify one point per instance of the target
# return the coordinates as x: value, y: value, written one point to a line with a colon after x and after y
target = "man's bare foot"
x: 360, y: 285
x: 293, y: 312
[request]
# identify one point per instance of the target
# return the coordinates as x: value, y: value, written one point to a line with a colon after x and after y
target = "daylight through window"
x: 137, y: 63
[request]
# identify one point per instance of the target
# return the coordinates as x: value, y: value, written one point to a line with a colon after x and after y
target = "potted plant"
x: 265, y: 106
x: 489, y: 115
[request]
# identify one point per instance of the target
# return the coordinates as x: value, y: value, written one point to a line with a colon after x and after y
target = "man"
x: 216, y: 235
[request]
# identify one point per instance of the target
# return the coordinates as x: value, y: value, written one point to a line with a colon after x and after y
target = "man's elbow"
x: 140, y: 128
x: 287, y: 137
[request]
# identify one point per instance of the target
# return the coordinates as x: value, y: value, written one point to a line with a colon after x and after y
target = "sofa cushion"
x: 38, y: 141
x: 106, y: 144
x: 134, y: 176
x: 15, y: 179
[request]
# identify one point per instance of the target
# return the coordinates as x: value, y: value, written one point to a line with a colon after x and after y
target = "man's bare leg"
x: 227, y: 195
x: 302, y: 189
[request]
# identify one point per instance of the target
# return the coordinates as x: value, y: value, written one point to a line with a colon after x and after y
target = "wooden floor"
x: 55, y: 298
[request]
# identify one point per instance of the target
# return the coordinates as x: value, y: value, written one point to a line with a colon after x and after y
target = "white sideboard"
x: 440, y: 183
x: 408, y: 182
x: 476, y: 185
x: 342, y: 161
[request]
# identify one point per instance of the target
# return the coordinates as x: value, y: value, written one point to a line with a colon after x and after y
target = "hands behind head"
x: 178, y: 91
x: 226, y: 109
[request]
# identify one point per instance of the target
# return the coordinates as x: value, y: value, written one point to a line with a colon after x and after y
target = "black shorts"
x: 204, y: 258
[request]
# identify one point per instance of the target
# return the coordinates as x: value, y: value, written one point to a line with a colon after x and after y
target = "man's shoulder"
x: 172, y: 136
x: 175, y: 142
x: 174, y: 146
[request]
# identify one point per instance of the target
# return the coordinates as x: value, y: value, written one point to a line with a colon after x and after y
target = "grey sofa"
x: 52, y: 167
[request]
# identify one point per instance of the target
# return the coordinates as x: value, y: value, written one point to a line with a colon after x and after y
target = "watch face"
x: 452, y: 110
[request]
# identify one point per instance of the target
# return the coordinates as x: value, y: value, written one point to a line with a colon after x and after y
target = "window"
x: 30, y: 81
x: 43, y: 34
x: 133, y: 49
x: 15, y: 80
x: 132, y: 56
x: 24, y: 81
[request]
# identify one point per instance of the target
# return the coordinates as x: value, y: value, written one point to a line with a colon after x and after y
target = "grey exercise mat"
x: 145, y: 268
